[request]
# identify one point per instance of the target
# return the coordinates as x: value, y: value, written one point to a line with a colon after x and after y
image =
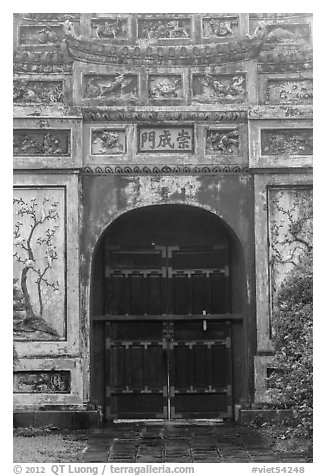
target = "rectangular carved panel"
x: 40, y: 381
x: 110, y: 28
x: 111, y: 86
x: 224, y: 142
x: 169, y: 28
x: 168, y: 86
x: 283, y: 91
x: 219, y: 27
x: 41, y: 34
x: 26, y: 91
x: 290, y: 215
x: 39, y: 264
x: 221, y: 88
x: 166, y: 139
x: 286, y: 142
x: 41, y: 143
x: 108, y: 141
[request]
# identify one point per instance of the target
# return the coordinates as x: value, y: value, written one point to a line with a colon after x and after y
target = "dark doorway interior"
x: 168, y: 301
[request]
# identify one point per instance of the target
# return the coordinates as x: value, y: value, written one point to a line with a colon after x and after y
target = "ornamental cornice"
x: 265, y: 45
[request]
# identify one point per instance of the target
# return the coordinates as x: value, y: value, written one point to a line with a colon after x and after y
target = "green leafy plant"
x: 291, y: 382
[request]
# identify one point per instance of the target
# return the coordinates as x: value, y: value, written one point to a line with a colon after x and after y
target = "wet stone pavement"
x: 190, y: 442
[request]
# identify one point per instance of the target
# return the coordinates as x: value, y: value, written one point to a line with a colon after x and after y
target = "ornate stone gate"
x: 114, y: 113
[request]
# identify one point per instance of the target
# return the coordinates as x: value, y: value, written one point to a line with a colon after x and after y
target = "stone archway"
x: 168, y: 300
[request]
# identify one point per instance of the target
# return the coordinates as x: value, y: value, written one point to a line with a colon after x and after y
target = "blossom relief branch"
x: 36, y: 284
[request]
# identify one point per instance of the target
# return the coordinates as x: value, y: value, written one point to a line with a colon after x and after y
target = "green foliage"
x: 291, y: 383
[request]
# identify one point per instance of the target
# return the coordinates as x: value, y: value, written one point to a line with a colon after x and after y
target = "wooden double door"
x: 168, y: 339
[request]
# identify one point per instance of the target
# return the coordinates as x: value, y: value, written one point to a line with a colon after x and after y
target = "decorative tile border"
x: 164, y: 169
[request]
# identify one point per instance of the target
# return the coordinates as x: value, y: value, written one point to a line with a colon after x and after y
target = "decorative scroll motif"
x: 39, y: 264
x: 162, y: 116
x: 111, y: 86
x: 221, y: 88
x: 290, y: 230
x: 219, y: 27
x: 34, y: 142
x: 26, y: 91
x: 281, y: 91
x: 165, y: 86
x: 165, y: 169
x: 41, y: 35
x: 108, y: 141
x: 286, y: 142
x: 166, y: 139
x: 164, y: 28
x: 112, y: 28
x: 41, y: 381
x: 222, y: 142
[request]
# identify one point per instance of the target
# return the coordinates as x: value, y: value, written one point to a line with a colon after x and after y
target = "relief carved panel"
x: 290, y: 212
x: 28, y: 142
x: 219, y: 88
x: 111, y: 86
x: 108, y: 141
x: 110, y: 28
x: 26, y: 91
x: 39, y: 275
x: 169, y: 28
x: 283, y: 91
x: 42, y: 381
x: 286, y: 142
x: 41, y: 35
x: 223, y: 142
x: 165, y: 86
x: 219, y: 27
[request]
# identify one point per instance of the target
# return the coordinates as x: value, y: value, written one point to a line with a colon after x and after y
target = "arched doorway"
x: 168, y: 299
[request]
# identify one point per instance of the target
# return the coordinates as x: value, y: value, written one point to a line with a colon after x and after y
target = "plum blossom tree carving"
x: 25, y: 243
x: 290, y: 233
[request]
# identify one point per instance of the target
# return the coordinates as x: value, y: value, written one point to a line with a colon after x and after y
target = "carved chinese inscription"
x: 42, y: 382
x: 280, y: 91
x: 219, y: 27
x: 39, y: 271
x: 166, y: 139
x: 35, y: 142
x: 108, y: 141
x: 164, y: 28
x: 111, y: 86
x: 222, y: 142
x: 165, y: 86
x: 41, y: 35
x: 113, y: 28
x: 26, y: 91
x: 219, y: 88
x: 286, y: 142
